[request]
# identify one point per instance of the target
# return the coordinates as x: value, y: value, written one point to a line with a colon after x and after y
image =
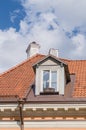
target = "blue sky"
x: 60, y: 25
x: 9, y: 8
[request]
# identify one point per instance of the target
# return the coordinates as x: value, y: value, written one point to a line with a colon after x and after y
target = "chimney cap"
x: 53, y: 52
x: 32, y: 49
x: 32, y: 43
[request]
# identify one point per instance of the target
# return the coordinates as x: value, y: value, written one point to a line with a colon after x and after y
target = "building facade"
x: 44, y: 92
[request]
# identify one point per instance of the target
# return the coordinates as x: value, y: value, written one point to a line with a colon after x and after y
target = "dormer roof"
x: 57, y: 61
x: 52, y: 57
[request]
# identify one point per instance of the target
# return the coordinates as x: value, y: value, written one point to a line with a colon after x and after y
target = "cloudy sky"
x: 59, y: 24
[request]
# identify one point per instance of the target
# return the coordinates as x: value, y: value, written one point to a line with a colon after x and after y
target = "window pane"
x: 54, y: 79
x: 46, y: 78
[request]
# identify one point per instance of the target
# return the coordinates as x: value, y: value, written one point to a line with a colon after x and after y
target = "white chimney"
x: 32, y: 49
x: 53, y: 52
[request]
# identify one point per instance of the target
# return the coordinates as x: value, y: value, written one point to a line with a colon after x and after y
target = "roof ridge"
x: 78, y: 60
x: 64, y: 59
x: 11, y: 69
x: 54, y: 57
x: 72, y: 60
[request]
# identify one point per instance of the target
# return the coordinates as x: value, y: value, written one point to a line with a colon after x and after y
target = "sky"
x: 60, y: 24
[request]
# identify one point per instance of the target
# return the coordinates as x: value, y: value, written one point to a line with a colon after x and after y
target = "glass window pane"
x: 54, y: 76
x: 54, y: 79
x: 46, y: 74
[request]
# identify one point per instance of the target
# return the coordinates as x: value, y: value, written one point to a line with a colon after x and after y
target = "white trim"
x: 9, y: 124
x: 62, y: 81
x: 55, y: 124
x: 44, y: 106
x: 58, y: 75
x: 50, y: 79
x: 41, y: 90
x: 54, y: 106
x: 8, y: 106
x: 44, y: 124
x: 37, y: 87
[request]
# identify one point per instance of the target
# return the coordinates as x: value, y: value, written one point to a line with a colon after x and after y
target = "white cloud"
x: 45, y: 22
x: 70, y: 13
x: 23, y: 27
x: 79, y: 42
x: 12, y: 48
x: 14, y: 15
x: 63, y: 16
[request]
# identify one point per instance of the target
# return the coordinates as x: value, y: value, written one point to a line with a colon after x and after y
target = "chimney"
x: 32, y: 49
x: 53, y: 52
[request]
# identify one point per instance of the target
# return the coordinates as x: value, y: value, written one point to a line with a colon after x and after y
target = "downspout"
x: 20, y: 106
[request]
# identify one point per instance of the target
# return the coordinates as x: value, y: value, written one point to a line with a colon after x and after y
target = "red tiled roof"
x: 18, y: 80
x: 78, y: 67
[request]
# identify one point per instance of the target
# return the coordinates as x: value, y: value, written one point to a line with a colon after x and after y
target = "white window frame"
x: 49, y: 79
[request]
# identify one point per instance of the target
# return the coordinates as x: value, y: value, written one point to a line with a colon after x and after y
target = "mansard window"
x: 49, y: 79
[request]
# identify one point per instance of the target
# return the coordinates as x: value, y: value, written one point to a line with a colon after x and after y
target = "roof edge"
x: 11, y: 69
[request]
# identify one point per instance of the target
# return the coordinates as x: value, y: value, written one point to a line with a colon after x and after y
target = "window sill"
x: 49, y: 93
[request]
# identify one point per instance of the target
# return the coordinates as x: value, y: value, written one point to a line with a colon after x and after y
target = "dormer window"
x: 46, y: 78
x: 51, y: 76
x: 54, y: 79
x: 49, y: 79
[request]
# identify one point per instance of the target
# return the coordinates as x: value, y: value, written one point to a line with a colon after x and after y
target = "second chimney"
x: 53, y: 52
x: 32, y: 49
